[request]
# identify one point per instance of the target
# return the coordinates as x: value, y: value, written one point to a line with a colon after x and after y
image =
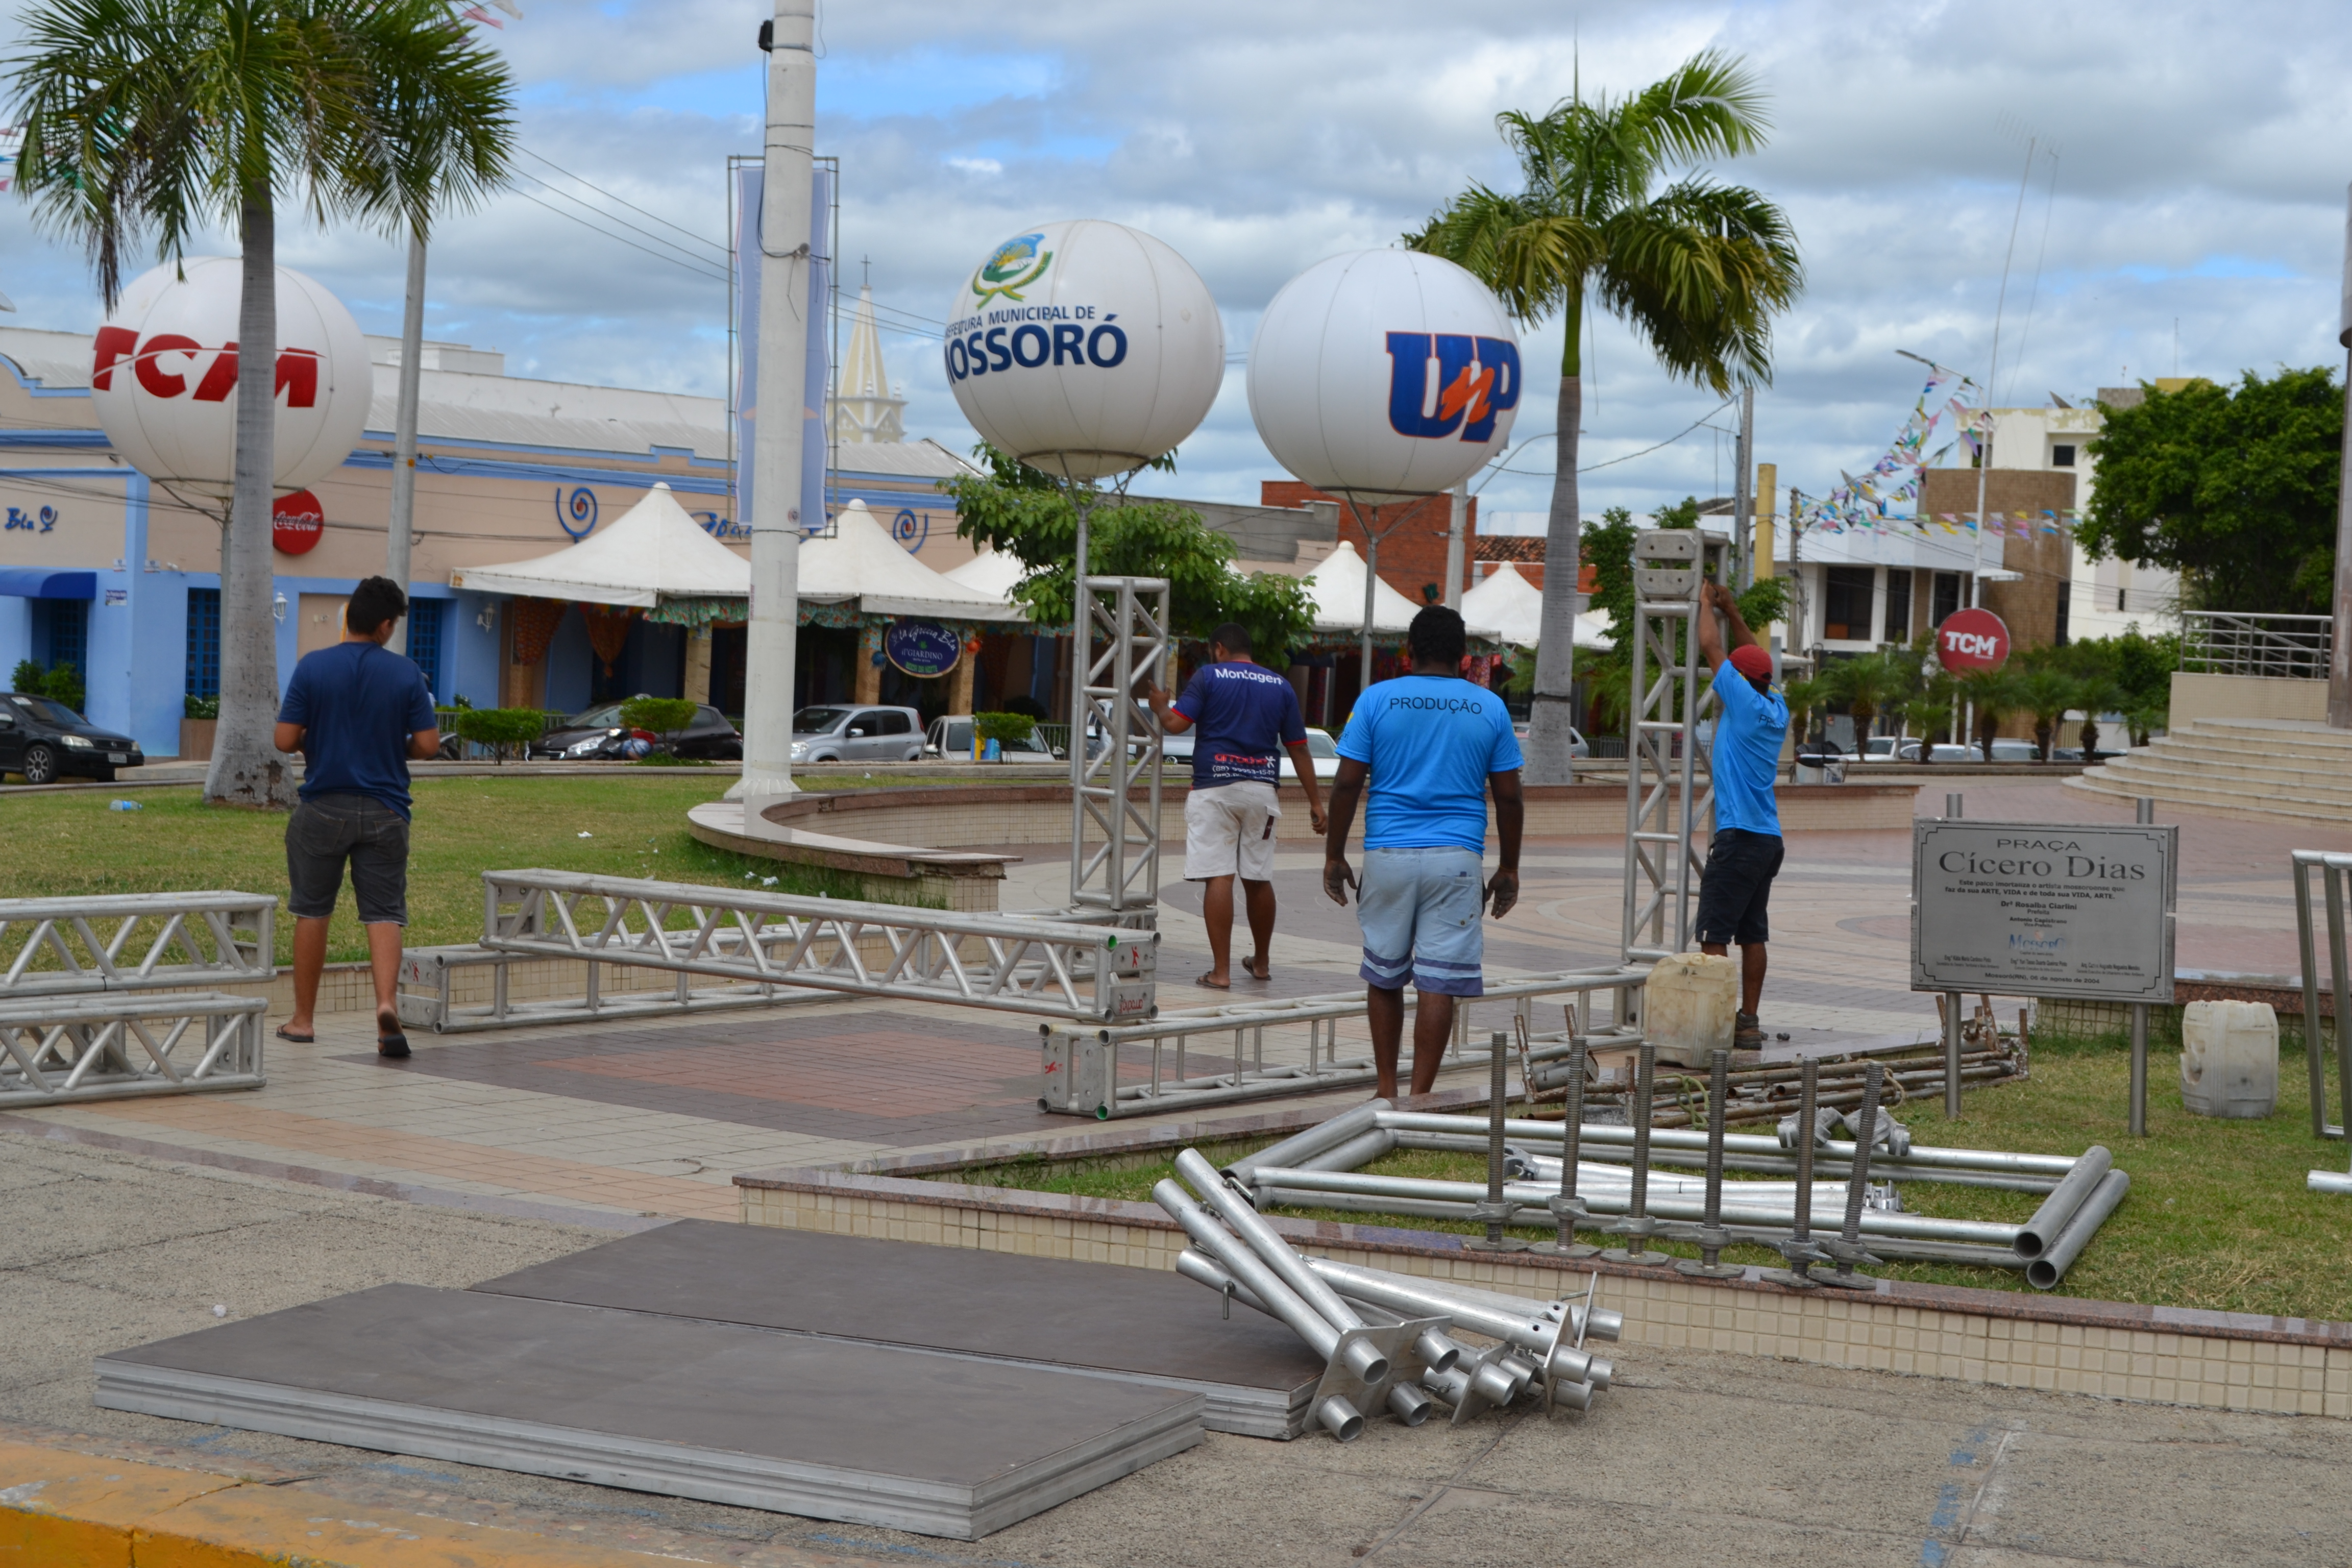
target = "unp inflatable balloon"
x: 1085, y: 348
x: 1384, y: 374
x: 164, y: 378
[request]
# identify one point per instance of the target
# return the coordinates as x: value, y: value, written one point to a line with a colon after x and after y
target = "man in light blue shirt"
x: 1751, y: 722
x: 1434, y: 746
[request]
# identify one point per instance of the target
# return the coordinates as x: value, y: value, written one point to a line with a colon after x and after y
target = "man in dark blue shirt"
x: 357, y: 712
x: 1246, y: 716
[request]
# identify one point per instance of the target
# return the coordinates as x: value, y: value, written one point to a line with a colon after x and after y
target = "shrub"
x: 1003, y: 728
x: 64, y: 684
x: 199, y: 707
x: 658, y: 715
x: 28, y: 678
x: 501, y: 728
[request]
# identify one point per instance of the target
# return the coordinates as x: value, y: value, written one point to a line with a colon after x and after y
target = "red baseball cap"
x: 1752, y: 662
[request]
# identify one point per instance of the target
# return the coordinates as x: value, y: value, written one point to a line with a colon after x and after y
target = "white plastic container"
x: 1692, y: 1006
x: 2229, y: 1059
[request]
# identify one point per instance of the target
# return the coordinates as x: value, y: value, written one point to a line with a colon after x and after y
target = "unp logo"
x: 1440, y: 383
x: 1016, y: 264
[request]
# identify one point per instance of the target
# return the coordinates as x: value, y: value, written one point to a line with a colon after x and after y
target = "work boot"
x: 1747, y: 1034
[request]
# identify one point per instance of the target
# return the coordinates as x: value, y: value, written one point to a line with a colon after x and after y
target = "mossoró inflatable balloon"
x: 1383, y: 374
x: 1085, y: 348
x: 164, y: 378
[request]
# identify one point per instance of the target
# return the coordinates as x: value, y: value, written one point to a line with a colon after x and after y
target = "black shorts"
x: 327, y: 830
x: 1740, y: 866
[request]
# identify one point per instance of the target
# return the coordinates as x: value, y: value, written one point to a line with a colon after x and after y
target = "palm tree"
x: 1993, y: 694
x: 1699, y: 269
x: 2046, y: 693
x: 1868, y: 685
x: 2097, y: 694
x: 165, y: 115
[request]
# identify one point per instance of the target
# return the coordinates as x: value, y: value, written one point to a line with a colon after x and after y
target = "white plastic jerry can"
x: 2229, y: 1059
x: 1692, y: 1006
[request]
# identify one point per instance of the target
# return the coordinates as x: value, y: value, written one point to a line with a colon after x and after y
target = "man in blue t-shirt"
x: 1246, y: 715
x: 1751, y: 722
x: 357, y: 712
x: 1435, y: 747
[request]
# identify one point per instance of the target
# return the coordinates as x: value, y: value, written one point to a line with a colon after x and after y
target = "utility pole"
x: 2339, y: 650
x: 1457, y: 545
x: 1743, y: 494
x: 400, y: 534
x: 776, y: 524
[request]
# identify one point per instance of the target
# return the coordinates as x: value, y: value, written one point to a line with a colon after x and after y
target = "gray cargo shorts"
x: 329, y: 829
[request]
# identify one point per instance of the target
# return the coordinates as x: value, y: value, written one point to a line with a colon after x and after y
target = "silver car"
x: 847, y: 733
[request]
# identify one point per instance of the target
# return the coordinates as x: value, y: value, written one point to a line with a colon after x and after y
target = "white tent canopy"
x: 1336, y: 586
x: 1514, y: 606
x: 651, y: 552
x: 992, y: 572
x: 861, y: 564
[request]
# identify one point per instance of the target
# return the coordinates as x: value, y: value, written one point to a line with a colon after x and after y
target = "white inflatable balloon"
x: 164, y: 378
x: 1085, y: 348
x: 1384, y: 374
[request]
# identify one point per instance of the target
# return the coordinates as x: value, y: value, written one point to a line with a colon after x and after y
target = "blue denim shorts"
x: 1418, y: 909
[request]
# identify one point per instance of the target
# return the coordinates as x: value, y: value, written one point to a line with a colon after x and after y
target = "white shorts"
x: 1229, y: 830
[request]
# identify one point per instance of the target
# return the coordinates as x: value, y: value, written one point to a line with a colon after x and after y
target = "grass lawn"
x: 2218, y: 1217
x: 70, y: 843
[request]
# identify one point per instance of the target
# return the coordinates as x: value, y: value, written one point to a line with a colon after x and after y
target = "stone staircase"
x: 2261, y: 770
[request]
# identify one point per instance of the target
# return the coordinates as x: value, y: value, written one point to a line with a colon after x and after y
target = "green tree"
x: 163, y: 115
x: 1014, y: 507
x: 1867, y: 685
x: 1993, y: 694
x: 2232, y: 487
x: 1696, y: 267
x: 2046, y: 691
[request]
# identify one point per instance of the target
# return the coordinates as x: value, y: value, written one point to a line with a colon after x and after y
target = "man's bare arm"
x: 424, y: 745
x: 1510, y: 822
x: 1346, y: 790
x: 1714, y: 596
x: 1302, y: 763
x: 287, y: 738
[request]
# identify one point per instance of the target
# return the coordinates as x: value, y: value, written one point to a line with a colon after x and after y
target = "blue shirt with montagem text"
x: 1243, y: 715
x: 357, y: 703
x: 1429, y: 742
x: 1749, y: 727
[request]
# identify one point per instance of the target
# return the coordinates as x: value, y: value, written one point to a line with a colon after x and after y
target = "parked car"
x: 844, y: 733
x: 949, y: 739
x: 1177, y: 750
x: 598, y: 735
x: 1578, y: 746
x: 44, y: 740
x: 1950, y: 751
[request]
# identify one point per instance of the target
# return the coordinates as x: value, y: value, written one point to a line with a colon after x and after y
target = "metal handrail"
x: 2229, y: 642
x: 2332, y: 866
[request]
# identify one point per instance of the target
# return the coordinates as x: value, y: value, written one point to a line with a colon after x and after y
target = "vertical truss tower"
x: 1669, y: 792
x: 1120, y: 641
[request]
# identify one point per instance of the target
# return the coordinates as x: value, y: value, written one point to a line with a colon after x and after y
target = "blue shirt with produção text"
x: 1749, y: 727
x: 1243, y: 715
x: 1429, y: 742
x: 357, y: 703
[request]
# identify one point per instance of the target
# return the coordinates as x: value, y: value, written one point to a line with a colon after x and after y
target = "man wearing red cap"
x: 1750, y: 724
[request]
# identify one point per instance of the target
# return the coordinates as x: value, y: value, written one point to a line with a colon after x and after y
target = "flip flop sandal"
x: 1214, y: 984
x: 1253, y: 974
x: 389, y: 1042
x: 285, y: 1034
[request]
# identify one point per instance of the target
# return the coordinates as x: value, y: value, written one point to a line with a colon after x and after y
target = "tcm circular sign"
x: 295, y: 524
x: 164, y: 378
x: 922, y: 648
x: 1381, y: 375
x: 1085, y: 348
x: 1972, y: 640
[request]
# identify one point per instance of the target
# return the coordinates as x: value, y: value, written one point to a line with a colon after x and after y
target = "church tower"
x: 866, y: 409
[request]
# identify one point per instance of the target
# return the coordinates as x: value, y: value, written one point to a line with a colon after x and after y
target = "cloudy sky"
x: 2185, y: 202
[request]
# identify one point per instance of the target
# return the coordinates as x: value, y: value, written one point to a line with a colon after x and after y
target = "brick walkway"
x: 617, y: 1121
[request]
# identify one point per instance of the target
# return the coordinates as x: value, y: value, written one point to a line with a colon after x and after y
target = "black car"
x: 598, y: 735
x: 44, y: 740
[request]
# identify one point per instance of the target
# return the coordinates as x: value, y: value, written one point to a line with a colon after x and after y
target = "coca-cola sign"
x: 295, y: 524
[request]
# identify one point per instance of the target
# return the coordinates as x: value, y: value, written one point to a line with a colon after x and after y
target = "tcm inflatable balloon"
x: 1085, y: 348
x: 164, y: 378
x: 1383, y: 374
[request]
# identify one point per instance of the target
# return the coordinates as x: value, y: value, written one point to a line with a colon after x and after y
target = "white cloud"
x: 2199, y: 178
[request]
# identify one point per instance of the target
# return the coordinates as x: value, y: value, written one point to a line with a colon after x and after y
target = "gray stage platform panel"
x: 1092, y: 1318
x: 713, y: 1411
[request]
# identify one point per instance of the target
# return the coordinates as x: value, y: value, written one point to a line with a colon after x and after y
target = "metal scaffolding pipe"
x: 1418, y: 1297
x: 1612, y: 1135
x: 1753, y: 1164
x: 1874, y: 1221
x: 2044, y: 1273
x: 1321, y: 1137
x: 1237, y: 1260
x: 2329, y: 1182
x: 1598, y: 1323
x: 1357, y: 1151
x: 2036, y: 1236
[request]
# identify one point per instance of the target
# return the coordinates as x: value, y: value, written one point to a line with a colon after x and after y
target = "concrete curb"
x: 57, y: 1507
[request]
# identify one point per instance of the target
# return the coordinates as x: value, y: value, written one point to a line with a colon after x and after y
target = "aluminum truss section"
x: 131, y: 942
x: 63, y: 1050
x: 1122, y: 641
x: 1089, y: 1072
x: 442, y: 989
x: 1669, y: 793
x: 1011, y: 963
x: 2332, y: 869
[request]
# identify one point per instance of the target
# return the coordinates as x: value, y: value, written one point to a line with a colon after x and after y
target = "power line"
x: 690, y: 267
x: 699, y: 240
x: 681, y: 250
